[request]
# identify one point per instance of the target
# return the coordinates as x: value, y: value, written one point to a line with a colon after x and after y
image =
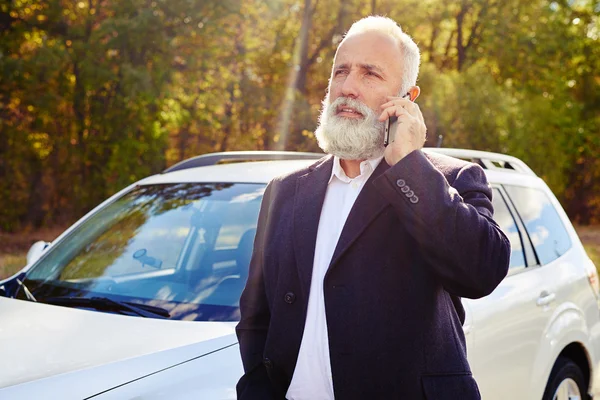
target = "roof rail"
x: 241, y: 156
x: 487, y: 160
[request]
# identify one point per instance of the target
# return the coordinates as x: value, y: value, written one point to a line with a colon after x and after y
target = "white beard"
x: 348, y: 138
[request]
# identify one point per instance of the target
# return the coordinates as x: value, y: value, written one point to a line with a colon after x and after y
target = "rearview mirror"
x: 36, y: 250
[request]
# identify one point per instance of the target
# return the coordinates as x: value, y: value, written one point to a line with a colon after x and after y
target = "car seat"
x: 229, y: 289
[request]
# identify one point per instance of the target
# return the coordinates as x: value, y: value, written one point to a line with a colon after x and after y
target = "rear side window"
x: 544, y: 226
x: 505, y: 220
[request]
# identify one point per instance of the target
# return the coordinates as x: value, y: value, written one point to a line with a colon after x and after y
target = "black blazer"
x: 419, y: 237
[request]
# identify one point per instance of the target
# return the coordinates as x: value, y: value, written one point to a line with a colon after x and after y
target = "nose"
x: 350, y: 86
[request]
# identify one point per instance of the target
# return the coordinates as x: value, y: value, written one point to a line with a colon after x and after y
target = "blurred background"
x: 97, y: 94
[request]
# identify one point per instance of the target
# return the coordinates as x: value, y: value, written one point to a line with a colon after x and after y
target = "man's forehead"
x: 370, y: 48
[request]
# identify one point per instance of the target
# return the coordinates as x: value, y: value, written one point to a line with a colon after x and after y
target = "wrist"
x: 396, y: 157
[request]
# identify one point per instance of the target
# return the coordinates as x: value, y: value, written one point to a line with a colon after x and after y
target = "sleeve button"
x: 414, y: 199
x: 410, y: 193
x: 400, y: 183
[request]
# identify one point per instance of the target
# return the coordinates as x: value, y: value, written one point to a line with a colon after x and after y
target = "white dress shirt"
x: 312, y: 378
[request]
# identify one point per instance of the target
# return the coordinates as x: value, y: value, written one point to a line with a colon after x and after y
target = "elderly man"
x: 360, y: 260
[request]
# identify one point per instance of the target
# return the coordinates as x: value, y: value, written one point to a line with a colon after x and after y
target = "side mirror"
x: 36, y: 250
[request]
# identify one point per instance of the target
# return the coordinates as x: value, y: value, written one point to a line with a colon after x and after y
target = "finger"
x: 415, y: 111
x: 387, y: 113
x: 410, y: 107
x: 391, y: 111
x: 399, y: 101
x: 398, y: 97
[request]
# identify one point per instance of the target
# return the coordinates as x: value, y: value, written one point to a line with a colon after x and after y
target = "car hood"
x: 41, y: 340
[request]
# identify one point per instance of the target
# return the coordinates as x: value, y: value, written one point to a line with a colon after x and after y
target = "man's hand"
x: 411, y: 130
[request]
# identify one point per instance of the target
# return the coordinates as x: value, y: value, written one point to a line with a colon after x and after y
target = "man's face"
x: 367, y: 68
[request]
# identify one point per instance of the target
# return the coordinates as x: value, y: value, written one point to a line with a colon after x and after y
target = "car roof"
x: 244, y: 172
x: 264, y: 171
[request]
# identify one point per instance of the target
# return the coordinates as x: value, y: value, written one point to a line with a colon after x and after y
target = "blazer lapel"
x: 308, y: 202
x: 367, y: 206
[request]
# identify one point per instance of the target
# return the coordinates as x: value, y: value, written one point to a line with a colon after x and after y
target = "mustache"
x: 352, y: 103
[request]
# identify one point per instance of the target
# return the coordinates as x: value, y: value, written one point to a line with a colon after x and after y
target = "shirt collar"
x: 366, y: 167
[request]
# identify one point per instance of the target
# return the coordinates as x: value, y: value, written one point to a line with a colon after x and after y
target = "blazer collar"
x: 367, y: 206
x: 308, y: 202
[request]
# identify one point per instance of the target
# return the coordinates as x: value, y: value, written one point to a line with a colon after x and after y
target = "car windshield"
x: 182, y: 247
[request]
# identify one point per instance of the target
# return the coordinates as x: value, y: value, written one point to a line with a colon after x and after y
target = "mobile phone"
x: 391, y: 125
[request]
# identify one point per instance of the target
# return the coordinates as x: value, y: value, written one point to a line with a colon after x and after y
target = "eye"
x: 371, y: 73
x: 339, y: 72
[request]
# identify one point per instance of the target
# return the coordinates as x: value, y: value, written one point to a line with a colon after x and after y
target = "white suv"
x: 165, y: 260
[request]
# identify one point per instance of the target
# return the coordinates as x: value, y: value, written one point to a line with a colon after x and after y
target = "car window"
x: 505, y: 220
x: 544, y: 226
x: 183, y: 247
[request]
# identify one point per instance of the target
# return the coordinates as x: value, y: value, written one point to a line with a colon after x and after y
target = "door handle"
x: 545, y: 298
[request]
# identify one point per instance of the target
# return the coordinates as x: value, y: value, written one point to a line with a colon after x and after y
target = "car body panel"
x: 89, y: 382
x: 567, y: 327
x: 222, y: 369
x: 517, y: 341
x: 507, y: 328
x: 52, y: 340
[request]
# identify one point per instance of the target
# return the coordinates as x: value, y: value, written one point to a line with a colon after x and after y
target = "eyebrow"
x: 371, y: 67
x: 368, y: 67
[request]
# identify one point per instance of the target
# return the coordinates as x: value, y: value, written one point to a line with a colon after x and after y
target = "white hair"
x: 410, y: 50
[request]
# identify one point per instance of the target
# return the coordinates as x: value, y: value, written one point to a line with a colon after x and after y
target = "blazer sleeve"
x: 453, y: 225
x: 255, y: 317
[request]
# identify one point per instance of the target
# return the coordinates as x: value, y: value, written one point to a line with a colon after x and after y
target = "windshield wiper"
x: 106, y: 304
x: 10, y: 287
x: 28, y: 294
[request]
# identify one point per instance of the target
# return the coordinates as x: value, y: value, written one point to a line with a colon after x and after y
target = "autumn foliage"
x: 96, y: 94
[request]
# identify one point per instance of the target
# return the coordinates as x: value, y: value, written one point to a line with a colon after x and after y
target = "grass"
x: 14, y: 247
x: 594, y: 253
x: 11, y: 263
x: 590, y: 237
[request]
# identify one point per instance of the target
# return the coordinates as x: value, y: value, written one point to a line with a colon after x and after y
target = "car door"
x: 508, y: 324
x: 565, y: 289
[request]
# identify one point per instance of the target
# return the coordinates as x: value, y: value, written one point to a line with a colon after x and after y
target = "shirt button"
x: 400, y: 183
x: 354, y: 185
x: 289, y: 297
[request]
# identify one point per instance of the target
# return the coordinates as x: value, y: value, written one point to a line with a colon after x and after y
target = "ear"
x: 414, y: 92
